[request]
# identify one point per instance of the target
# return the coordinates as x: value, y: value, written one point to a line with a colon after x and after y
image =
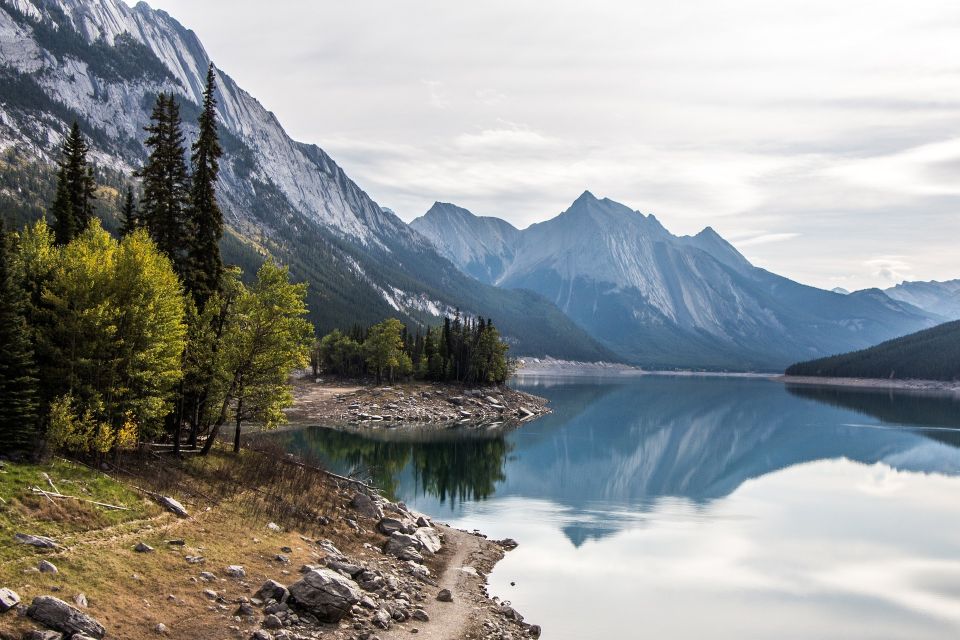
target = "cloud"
x: 765, y: 238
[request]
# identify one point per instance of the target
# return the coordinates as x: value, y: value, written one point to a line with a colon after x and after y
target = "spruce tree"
x: 129, y: 223
x: 165, y: 201
x: 73, y: 204
x: 206, y: 266
x: 18, y: 380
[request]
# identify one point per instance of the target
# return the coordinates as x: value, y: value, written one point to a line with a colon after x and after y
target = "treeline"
x: 466, y: 351
x: 932, y: 354
x: 110, y: 341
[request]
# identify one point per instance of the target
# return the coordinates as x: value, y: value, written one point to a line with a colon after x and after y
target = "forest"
x: 113, y: 339
x: 462, y: 351
x: 932, y: 354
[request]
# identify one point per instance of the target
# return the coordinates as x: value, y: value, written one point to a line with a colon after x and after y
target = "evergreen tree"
x: 129, y: 213
x: 18, y: 381
x: 165, y: 201
x: 206, y: 266
x: 73, y: 203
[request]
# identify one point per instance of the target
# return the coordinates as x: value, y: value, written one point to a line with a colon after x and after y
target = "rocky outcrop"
x: 325, y: 594
x: 8, y: 599
x: 58, y: 615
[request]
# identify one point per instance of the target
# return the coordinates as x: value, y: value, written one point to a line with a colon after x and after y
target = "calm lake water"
x: 713, y: 508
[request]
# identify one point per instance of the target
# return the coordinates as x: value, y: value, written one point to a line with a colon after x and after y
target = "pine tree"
x: 165, y: 201
x: 129, y: 212
x: 206, y: 266
x: 18, y: 380
x: 73, y: 204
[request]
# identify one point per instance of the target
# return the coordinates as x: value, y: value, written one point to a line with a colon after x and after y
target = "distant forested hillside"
x: 932, y: 354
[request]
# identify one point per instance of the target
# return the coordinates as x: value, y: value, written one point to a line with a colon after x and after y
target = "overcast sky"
x: 821, y: 137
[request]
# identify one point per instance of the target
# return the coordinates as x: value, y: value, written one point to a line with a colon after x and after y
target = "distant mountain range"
x: 102, y: 63
x: 940, y: 298
x: 662, y: 300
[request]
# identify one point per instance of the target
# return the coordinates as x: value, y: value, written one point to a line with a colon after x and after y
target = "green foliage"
x: 206, y: 266
x: 932, y: 354
x: 253, y: 338
x: 18, y: 378
x: 384, y: 350
x: 128, y: 214
x: 73, y: 205
x: 108, y: 318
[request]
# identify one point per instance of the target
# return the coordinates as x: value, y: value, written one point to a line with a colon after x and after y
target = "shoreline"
x: 553, y: 368
x: 932, y: 386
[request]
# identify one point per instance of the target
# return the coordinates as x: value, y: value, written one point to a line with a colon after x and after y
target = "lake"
x: 688, y: 507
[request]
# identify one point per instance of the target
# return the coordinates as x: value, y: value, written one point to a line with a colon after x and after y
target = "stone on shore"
x: 390, y: 524
x: 365, y: 506
x: 326, y: 594
x: 58, y: 615
x: 403, y: 546
x: 429, y: 540
x: 8, y: 599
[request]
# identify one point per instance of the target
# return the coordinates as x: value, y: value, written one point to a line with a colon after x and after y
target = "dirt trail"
x: 463, y: 575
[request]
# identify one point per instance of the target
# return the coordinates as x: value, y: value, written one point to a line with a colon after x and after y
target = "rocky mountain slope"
x: 102, y: 63
x: 667, y: 301
x: 940, y: 298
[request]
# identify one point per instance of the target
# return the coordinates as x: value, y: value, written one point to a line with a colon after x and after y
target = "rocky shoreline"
x: 319, y: 403
x: 932, y: 386
x: 381, y: 571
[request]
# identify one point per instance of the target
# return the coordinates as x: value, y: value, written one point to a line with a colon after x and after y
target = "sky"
x: 821, y: 138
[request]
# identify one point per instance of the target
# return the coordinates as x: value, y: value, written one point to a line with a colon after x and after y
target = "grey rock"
x: 429, y: 540
x: 57, y: 614
x: 421, y: 615
x: 177, y: 542
x: 143, y: 547
x: 207, y: 576
x: 365, y: 506
x: 282, y: 558
x: 272, y: 590
x: 41, y: 542
x: 272, y: 622
x: 235, y: 571
x: 404, y: 546
x: 260, y: 634
x: 245, y: 609
x: 45, y: 566
x: 81, y: 636
x: 46, y: 634
x: 173, y: 506
x: 80, y: 600
x: 325, y: 594
x: 273, y: 526
x: 195, y: 559
x: 445, y: 596
x: 390, y: 524
x: 8, y: 599
x: 534, y: 631
x: 346, y: 568
x: 210, y: 593
x: 160, y: 629
x: 382, y: 619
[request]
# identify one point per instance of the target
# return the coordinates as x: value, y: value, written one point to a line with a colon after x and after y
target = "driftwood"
x: 49, y: 495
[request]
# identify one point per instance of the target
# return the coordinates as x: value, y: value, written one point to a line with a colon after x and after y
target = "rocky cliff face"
x: 664, y: 300
x: 102, y: 63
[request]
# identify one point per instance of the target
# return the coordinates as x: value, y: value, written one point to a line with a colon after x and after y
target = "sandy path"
x: 451, y: 620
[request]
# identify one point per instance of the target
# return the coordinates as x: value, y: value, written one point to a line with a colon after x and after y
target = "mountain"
x: 102, y: 63
x: 666, y: 301
x: 940, y: 298
x: 933, y: 354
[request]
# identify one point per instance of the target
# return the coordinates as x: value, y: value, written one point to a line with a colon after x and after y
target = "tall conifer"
x: 73, y: 204
x: 129, y: 220
x: 206, y: 264
x: 18, y: 379
x: 165, y: 201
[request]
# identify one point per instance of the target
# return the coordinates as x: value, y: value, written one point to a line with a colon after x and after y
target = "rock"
x: 429, y: 539
x: 534, y: 631
x: 286, y: 550
x: 272, y: 590
x: 403, y: 546
x: 42, y: 542
x: 273, y: 526
x: 56, y: 614
x: 260, y: 634
x: 195, y: 559
x: 143, y: 547
x: 328, y: 547
x: 235, y: 571
x: 508, y: 543
x: 80, y: 600
x: 160, y: 629
x: 421, y: 615
x: 206, y: 576
x: 172, y: 505
x: 423, y: 521
x: 346, y: 568
x: 272, y: 622
x: 43, y: 635
x: 381, y: 619
x: 177, y: 542
x: 445, y: 595
x: 45, y: 566
x: 365, y: 506
x: 210, y: 593
x: 325, y: 594
x: 245, y: 609
x: 390, y: 524
x: 81, y: 636
x: 8, y: 599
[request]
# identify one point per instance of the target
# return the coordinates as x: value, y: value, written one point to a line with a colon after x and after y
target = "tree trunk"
x: 236, y: 436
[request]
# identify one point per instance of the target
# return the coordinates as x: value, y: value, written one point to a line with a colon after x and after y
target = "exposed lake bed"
x: 737, y: 508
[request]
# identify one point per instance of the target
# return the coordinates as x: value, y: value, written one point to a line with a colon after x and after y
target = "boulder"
x: 403, y: 546
x: 390, y: 524
x: 429, y: 540
x: 173, y: 506
x: 235, y: 571
x: 42, y: 542
x: 346, y: 568
x: 325, y: 594
x: 46, y: 634
x: 8, y: 599
x: 143, y: 547
x: 80, y: 600
x: 445, y: 596
x: 260, y: 634
x: 365, y: 506
x: 272, y: 590
x: 56, y: 614
x: 45, y: 566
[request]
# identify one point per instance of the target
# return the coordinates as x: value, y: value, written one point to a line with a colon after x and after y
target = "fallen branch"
x: 50, y: 482
x: 50, y: 495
